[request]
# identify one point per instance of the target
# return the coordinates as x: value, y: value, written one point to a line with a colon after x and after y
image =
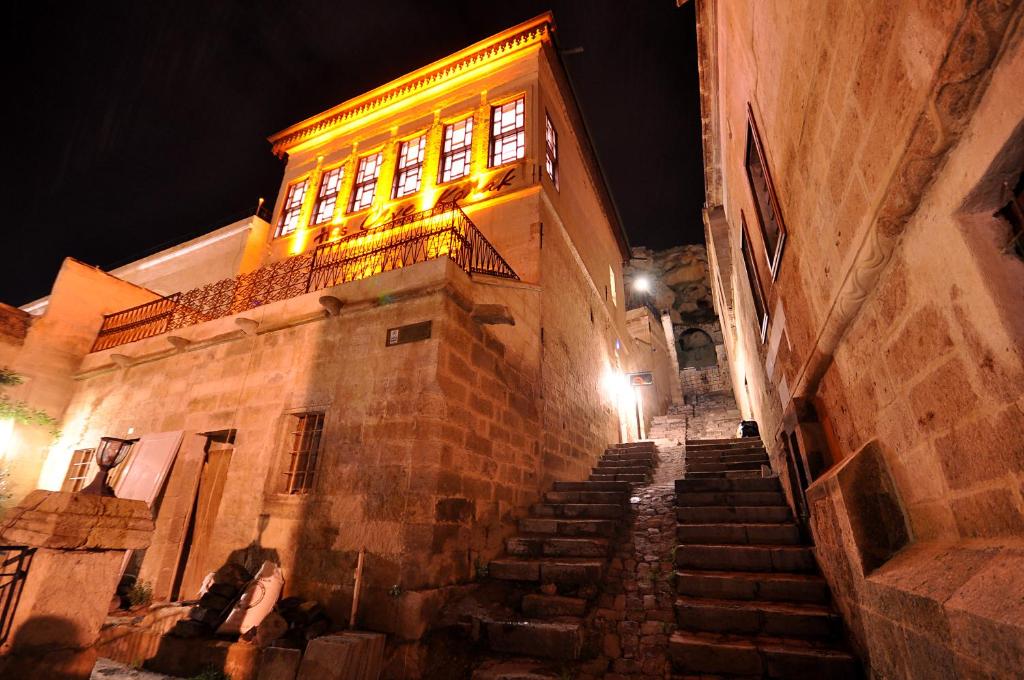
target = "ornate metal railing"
x: 442, y: 231
x: 14, y: 564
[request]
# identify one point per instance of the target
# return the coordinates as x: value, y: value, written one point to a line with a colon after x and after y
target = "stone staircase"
x: 751, y: 601
x: 552, y: 568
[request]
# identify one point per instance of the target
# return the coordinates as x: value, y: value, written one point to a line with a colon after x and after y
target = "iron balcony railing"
x: 14, y: 563
x: 442, y: 231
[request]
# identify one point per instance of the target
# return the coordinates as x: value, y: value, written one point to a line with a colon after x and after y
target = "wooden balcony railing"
x: 442, y: 231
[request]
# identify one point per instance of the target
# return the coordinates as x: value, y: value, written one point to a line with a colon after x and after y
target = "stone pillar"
x: 79, y: 546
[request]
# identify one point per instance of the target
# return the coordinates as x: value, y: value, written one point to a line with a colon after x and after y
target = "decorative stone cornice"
x: 984, y: 29
x: 502, y: 44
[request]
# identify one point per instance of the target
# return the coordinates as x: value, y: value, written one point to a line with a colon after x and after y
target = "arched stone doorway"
x: 696, y: 349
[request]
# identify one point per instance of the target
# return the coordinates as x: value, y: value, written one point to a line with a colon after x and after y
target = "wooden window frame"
x: 325, y: 195
x: 496, y: 138
x: 551, y: 149
x: 291, y: 211
x: 755, y: 144
x: 361, y: 184
x: 78, y: 470
x: 754, y: 279
x: 303, y: 440
x: 404, y: 172
x: 449, y: 153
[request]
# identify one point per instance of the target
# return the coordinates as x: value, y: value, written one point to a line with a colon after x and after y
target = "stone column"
x: 79, y: 546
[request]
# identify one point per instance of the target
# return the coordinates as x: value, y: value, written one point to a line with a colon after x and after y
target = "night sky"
x: 132, y: 126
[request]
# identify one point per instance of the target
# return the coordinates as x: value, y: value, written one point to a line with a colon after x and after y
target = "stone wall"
x: 889, y: 310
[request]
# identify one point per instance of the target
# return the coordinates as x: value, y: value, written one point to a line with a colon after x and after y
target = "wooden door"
x: 208, y: 497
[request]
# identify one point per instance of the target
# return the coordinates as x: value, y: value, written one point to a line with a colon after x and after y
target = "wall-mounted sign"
x: 414, y: 332
x: 641, y: 379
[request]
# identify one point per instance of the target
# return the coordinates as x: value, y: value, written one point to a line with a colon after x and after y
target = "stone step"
x: 582, y: 497
x: 579, y: 510
x: 721, y: 484
x: 739, y: 585
x: 756, y: 457
x: 728, y: 474
x: 647, y: 445
x: 627, y: 466
x: 620, y: 477
x: 631, y: 470
x: 538, y: 605
x: 516, y: 669
x: 693, y: 498
x: 760, y: 657
x: 547, y: 639
x: 746, y: 557
x: 719, y: 514
x: 692, y: 467
x: 569, y: 527
x: 738, y: 533
x: 756, y: 618
x: 548, y: 546
x: 746, y: 447
x: 726, y: 440
x: 592, y: 486
x: 644, y: 456
x: 564, y: 570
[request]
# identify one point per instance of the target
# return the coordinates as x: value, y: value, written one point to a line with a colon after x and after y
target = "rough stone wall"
x: 679, y: 282
x: 891, y: 307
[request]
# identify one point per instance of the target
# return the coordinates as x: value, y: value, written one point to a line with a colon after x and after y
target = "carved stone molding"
x: 984, y: 28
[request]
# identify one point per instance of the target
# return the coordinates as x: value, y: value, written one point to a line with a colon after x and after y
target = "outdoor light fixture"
x: 642, y: 284
x: 109, y: 453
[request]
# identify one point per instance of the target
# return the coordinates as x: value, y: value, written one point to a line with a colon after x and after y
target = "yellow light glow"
x: 6, y: 438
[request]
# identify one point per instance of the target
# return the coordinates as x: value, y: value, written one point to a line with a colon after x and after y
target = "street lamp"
x: 109, y: 453
x: 642, y: 284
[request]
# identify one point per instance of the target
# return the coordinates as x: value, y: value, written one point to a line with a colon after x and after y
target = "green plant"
x: 211, y: 673
x: 141, y: 594
x: 9, y: 378
x: 19, y: 411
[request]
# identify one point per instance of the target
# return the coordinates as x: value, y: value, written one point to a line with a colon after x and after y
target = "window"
x: 303, y: 449
x: 551, y: 149
x: 410, y: 167
x: 773, y: 230
x: 327, y: 196
x: 611, y: 285
x: 756, y: 291
x: 292, y: 207
x: 508, y: 132
x: 366, y: 182
x: 78, y: 470
x: 457, y: 150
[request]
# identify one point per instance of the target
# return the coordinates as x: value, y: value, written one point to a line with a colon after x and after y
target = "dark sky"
x: 135, y: 125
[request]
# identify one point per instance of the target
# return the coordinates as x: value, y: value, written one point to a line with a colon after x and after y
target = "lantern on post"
x: 109, y: 453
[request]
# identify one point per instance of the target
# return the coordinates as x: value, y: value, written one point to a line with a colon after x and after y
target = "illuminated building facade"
x: 428, y: 329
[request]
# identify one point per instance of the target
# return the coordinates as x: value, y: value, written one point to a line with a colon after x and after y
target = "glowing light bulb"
x: 642, y: 284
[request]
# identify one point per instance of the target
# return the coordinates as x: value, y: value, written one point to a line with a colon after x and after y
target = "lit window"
x: 78, y: 470
x: 303, y: 450
x: 551, y: 149
x: 292, y: 207
x: 753, y: 279
x: 455, y: 154
x: 611, y: 285
x: 327, y: 196
x: 773, y: 230
x: 366, y: 182
x: 410, y: 166
x: 508, y: 132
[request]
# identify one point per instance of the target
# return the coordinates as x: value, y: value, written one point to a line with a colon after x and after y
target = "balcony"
x: 444, y: 231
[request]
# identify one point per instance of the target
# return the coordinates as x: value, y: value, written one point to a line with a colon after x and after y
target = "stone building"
x: 863, y: 220
x: 429, y: 329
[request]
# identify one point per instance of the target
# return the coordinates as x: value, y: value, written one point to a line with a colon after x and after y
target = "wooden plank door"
x: 211, y: 488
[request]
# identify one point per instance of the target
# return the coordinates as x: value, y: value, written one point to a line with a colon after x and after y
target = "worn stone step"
x: 727, y: 458
x: 517, y: 669
x: 756, y: 617
x: 719, y: 514
x: 547, y: 639
x: 727, y: 474
x: 724, y: 443
x: 623, y: 470
x: 579, y: 510
x: 620, y: 477
x: 738, y: 585
x: 760, y: 657
x: 567, y: 526
x: 538, y: 605
x: 746, y: 557
x: 548, y: 546
x: 721, y: 484
x: 646, y: 445
x: 628, y: 455
x: 739, y: 533
x: 563, y: 570
x: 693, y: 498
x: 722, y: 467
x: 592, y: 485
x: 584, y: 497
